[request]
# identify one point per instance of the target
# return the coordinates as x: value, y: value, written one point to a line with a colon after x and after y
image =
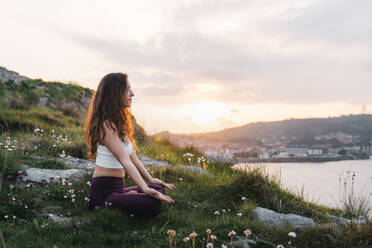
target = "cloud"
x: 225, y: 122
x: 234, y: 110
x: 313, y: 52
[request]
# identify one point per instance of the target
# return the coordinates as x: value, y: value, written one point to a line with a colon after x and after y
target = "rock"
x: 241, y: 242
x: 49, y: 209
x: 273, y: 218
x: 42, y: 101
x: 58, y: 219
x: 81, y: 168
x: 6, y: 75
x: 194, y: 169
x: 37, y: 174
x: 336, y: 219
x: 37, y: 200
x: 146, y: 161
x: 79, y: 163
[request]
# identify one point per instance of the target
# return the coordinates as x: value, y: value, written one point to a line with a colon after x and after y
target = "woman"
x: 109, y: 136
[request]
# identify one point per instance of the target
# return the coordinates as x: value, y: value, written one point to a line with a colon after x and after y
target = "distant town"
x: 332, y: 146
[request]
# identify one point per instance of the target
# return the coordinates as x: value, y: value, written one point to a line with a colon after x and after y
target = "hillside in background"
x: 295, y: 129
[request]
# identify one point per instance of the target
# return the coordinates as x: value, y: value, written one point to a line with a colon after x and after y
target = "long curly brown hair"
x: 107, y: 106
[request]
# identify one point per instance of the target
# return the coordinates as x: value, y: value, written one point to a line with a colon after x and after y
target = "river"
x: 325, y: 183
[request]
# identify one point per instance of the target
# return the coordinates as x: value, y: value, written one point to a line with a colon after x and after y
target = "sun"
x: 205, y: 113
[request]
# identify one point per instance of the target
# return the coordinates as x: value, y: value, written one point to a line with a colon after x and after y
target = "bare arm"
x: 140, y: 167
x: 113, y: 142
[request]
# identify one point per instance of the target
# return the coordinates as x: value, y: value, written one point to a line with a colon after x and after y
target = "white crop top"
x: 106, y: 159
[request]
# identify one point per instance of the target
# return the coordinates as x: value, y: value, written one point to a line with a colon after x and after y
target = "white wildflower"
x: 292, y: 234
x: 209, y: 245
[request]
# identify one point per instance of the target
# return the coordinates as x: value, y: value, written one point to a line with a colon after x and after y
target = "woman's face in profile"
x: 128, y: 94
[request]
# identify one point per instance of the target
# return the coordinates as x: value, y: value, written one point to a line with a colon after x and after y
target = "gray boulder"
x: 273, y: 218
x: 57, y: 219
x: 37, y: 174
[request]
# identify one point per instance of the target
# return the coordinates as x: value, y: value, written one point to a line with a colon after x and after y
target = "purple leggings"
x: 108, y: 191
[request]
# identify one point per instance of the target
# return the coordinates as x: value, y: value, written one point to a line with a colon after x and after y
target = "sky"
x: 201, y: 65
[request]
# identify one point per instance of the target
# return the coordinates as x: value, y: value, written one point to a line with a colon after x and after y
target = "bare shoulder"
x: 109, y: 132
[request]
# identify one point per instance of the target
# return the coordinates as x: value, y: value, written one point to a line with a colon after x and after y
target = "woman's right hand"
x: 158, y: 195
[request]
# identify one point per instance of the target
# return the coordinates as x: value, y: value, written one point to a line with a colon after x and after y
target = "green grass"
x: 196, y: 196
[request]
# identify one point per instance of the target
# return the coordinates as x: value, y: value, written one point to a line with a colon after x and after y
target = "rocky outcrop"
x: 79, y: 169
x: 298, y: 222
x: 40, y: 175
x: 6, y: 75
x: 273, y: 218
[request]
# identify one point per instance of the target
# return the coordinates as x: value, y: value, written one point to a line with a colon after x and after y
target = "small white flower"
x: 89, y: 183
x: 86, y: 198
x: 239, y: 214
x: 54, y: 145
x: 73, y: 199
x: 69, y: 184
x: 232, y: 233
x: 217, y: 213
x: 243, y: 198
x: 65, y: 196
x: 26, y: 206
x: 209, y: 245
x: 131, y: 215
x: 223, y: 246
x: 280, y: 246
x: 6, y: 216
x: 292, y: 234
x: 14, y: 217
x: 181, y: 179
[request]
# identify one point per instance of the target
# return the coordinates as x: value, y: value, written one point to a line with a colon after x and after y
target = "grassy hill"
x: 196, y: 196
x: 300, y: 129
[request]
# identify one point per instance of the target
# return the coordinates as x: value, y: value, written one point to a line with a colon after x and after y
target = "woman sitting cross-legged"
x: 109, y: 136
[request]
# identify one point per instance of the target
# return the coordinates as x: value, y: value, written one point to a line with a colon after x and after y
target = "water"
x: 324, y: 183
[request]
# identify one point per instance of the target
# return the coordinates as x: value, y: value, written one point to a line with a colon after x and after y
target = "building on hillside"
x: 315, y: 151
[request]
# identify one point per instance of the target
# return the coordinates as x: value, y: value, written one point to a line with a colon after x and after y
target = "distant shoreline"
x: 302, y: 159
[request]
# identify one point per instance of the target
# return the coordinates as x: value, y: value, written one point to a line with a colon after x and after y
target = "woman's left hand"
x: 168, y: 185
